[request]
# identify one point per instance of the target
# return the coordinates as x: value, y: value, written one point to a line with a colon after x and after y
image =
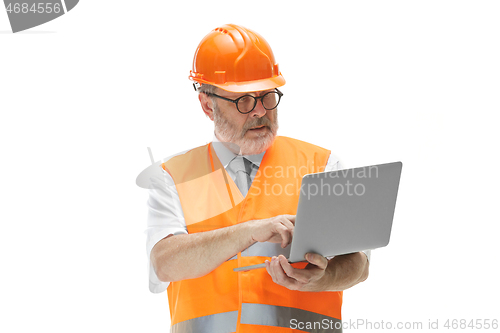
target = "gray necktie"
x: 243, y: 169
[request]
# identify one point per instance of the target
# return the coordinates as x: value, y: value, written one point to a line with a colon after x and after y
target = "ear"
x: 206, y: 105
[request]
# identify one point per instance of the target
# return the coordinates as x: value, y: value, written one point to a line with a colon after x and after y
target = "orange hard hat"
x: 236, y: 59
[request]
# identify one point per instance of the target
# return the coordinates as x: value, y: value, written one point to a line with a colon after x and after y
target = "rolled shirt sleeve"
x: 164, y: 218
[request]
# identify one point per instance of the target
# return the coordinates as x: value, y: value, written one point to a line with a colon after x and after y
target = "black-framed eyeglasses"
x: 246, y: 103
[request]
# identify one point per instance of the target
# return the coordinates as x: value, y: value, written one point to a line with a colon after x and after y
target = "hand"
x: 278, y: 229
x: 314, y: 277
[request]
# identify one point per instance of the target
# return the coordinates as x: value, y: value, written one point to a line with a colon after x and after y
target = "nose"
x: 259, y: 111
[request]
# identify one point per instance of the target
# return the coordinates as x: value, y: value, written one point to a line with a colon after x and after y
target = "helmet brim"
x: 250, y: 86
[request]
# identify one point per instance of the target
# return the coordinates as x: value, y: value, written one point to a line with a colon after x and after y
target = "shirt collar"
x: 225, y: 155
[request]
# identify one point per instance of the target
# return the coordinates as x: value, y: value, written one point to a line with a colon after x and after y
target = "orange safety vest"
x: 226, y: 301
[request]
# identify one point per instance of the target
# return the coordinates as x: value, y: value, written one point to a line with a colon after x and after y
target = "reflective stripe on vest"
x: 281, y: 316
x: 266, y: 249
x: 261, y: 314
x: 224, y: 322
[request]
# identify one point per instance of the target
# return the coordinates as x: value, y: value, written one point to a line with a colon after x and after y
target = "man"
x: 232, y: 203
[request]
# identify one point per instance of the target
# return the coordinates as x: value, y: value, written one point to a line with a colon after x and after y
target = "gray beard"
x: 228, y: 133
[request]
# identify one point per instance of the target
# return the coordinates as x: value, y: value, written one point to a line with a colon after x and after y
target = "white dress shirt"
x: 165, y: 216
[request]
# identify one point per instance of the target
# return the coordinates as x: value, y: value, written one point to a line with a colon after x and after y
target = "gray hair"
x: 209, y: 89
x: 206, y: 88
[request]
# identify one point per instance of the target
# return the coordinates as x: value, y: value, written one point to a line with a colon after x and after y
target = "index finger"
x: 288, y: 221
x: 286, y: 235
x: 291, y: 218
x: 291, y: 272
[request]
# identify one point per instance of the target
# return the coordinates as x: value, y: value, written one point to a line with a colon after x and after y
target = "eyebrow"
x: 258, y: 93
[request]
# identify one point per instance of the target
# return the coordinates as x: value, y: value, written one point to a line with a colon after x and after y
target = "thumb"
x: 317, y: 260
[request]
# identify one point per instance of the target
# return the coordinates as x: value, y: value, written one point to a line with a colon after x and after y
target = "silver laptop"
x: 344, y: 211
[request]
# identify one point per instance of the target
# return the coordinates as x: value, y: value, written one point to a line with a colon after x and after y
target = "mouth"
x: 257, y: 127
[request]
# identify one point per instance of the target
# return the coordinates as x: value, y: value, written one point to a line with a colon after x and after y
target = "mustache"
x: 258, y: 122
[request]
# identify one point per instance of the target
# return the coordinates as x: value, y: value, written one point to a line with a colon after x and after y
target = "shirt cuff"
x: 368, y: 254
x: 155, y: 285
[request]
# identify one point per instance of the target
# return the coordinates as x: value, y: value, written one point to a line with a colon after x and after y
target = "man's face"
x: 253, y: 132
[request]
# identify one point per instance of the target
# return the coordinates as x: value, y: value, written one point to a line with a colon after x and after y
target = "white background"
x: 82, y: 97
